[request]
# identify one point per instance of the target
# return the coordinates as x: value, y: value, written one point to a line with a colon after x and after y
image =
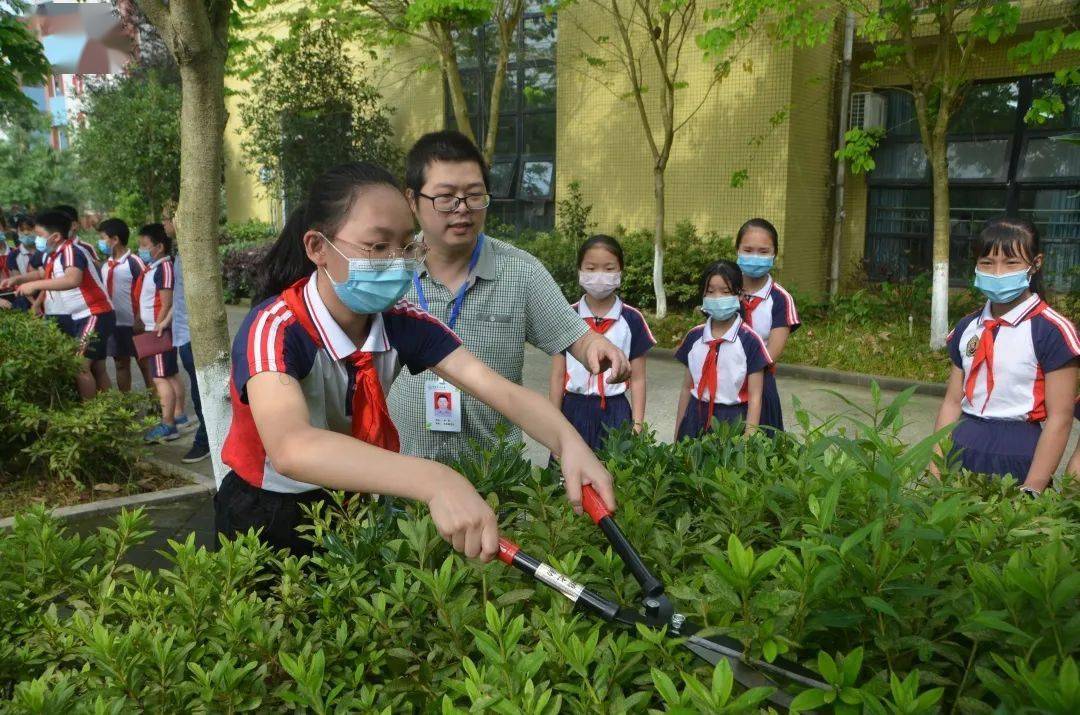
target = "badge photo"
x: 971, y: 346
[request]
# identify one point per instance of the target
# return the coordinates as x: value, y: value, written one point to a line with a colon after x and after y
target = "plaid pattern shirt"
x: 512, y: 300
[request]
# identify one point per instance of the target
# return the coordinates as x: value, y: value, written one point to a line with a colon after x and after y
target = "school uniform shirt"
x: 181, y: 331
x: 86, y: 299
x: 22, y: 260
x: 770, y: 307
x: 157, y: 277
x: 4, y: 271
x: 312, y: 348
x: 740, y: 353
x: 120, y: 276
x: 1005, y: 360
x: 626, y: 328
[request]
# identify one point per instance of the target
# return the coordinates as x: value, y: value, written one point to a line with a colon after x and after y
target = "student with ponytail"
x: 315, y: 356
x: 1013, y: 381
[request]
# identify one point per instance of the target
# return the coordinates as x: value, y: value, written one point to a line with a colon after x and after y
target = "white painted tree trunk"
x: 658, y: 244
x: 939, y: 297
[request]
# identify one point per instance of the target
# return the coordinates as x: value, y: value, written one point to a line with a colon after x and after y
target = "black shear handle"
x: 596, y: 509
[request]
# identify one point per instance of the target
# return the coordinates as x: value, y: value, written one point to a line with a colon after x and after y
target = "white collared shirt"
x: 630, y: 333
x: 740, y: 354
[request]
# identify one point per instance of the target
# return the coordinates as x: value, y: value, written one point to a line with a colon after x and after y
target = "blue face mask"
x: 27, y: 239
x: 1004, y: 288
x: 720, y: 308
x: 144, y: 254
x: 754, y: 265
x: 41, y: 243
x: 103, y: 247
x: 373, y: 285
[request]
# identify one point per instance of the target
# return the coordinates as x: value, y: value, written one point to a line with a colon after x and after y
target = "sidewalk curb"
x: 200, y: 486
x: 839, y: 377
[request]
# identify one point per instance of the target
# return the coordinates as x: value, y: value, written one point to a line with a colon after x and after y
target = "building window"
x: 997, y: 165
x: 523, y: 165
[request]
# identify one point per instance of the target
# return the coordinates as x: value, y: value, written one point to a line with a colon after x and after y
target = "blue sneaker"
x: 186, y: 424
x: 161, y: 433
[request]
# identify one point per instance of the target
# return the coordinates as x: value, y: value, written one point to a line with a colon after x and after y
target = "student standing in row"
x: 767, y: 308
x: 315, y: 356
x: 76, y: 298
x: 1013, y: 381
x: 23, y: 257
x: 725, y: 359
x: 592, y: 404
x: 119, y: 272
x: 154, y: 289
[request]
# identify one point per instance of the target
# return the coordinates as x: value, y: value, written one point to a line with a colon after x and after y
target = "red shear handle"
x: 592, y: 503
x: 507, y: 549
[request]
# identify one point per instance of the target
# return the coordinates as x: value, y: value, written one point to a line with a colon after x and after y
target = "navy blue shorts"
x: 164, y: 364
x: 65, y: 323
x: 698, y: 418
x: 772, y: 412
x: 122, y: 342
x: 996, y: 447
x: 93, y: 334
x: 593, y: 422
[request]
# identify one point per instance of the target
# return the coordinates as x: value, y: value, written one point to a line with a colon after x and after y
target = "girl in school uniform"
x: 315, y: 356
x: 768, y: 309
x: 725, y: 359
x: 1013, y: 381
x: 591, y: 404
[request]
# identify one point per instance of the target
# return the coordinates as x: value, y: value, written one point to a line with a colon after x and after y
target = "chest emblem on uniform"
x: 971, y: 346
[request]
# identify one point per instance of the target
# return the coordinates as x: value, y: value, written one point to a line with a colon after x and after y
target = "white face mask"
x: 599, y: 285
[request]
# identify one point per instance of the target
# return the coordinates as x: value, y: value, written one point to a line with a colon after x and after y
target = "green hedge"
x: 907, y: 594
x: 46, y: 431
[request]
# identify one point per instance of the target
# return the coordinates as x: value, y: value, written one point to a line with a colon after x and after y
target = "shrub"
x: 958, y: 595
x: 251, y: 231
x: 239, y: 267
x: 47, y: 432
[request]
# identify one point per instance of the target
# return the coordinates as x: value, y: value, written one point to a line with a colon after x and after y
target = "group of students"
x: 103, y: 296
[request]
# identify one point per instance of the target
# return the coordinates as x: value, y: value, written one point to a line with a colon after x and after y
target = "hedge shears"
x: 657, y: 609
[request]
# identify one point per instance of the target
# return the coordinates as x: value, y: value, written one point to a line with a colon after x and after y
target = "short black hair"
x: 54, y: 222
x: 1015, y: 238
x: 604, y: 241
x: 24, y: 220
x: 115, y: 228
x: 156, y: 233
x: 729, y: 271
x: 70, y: 211
x: 762, y: 225
x: 447, y: 145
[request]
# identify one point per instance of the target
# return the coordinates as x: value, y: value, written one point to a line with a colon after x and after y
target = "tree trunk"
x: 497, y: 83
x: 658, y: 242
x: 202, y: 129
x: 452, y: 73
x: 939, y: 298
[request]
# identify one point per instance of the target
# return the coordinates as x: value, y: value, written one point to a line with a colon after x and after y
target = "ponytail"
x: 325, y: 210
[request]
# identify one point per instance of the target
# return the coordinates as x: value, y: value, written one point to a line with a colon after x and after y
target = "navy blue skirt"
x: 996, y: 447
x: 592, y: 422
x: 772, y: 413
x: 698, y: 419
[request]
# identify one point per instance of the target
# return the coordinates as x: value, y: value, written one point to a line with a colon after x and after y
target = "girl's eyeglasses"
x: 412, y: 251
x: 448, y: 203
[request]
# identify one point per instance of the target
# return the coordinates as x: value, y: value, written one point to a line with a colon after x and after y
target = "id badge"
x: 442, y: 406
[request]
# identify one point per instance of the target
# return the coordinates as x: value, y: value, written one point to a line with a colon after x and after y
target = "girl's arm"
x: 164, y: 316
x: 949, y: 411
x: 72, y: 278
x: 637, y: 392
x: 557, y: 380
x: 754, y: 385
x: 1060, y: 397
x: 778, y: 338
x: 31, y: 275
x: 530, y: 411
x: 337, y: 461
x: 684, y: 399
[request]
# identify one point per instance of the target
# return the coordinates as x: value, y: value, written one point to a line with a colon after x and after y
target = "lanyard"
x: 455, y: 306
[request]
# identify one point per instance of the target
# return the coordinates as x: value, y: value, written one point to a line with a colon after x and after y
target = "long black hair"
x: 608, y: 243
x: 762, y: 225
x: 329, y: 200
x: 1015, y: 238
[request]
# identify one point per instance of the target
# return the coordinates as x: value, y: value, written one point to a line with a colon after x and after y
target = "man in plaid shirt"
x: 494, y: 296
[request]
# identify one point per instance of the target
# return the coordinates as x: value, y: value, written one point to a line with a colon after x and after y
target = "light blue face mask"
x: 144, y: 254
x: 720, y: 308
x: 755, y: 265
x: 41, y: 243
x: 373, y: 285
x: 27, y: 239
x: 1004, y: 288
x: 103, y: 247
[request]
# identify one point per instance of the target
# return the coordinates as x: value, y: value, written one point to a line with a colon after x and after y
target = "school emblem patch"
x: 971, y: 346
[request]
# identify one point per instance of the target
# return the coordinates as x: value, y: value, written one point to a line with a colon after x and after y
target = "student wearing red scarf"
x: 315, y: 356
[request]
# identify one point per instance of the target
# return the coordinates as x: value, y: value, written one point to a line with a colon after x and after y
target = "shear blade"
x: 747, y: 677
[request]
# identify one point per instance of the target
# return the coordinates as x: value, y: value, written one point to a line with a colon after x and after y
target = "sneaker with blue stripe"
x: 186, y: 424
x: 161, y: 433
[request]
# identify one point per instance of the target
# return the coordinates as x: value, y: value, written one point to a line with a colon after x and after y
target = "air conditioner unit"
x: 867, y: 111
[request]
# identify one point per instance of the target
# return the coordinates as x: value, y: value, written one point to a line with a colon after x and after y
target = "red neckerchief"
x: 707, y: 384
x: 600, y: 325
x: 750, y: 303
x: 984, y: 354
x: 371, y: 421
